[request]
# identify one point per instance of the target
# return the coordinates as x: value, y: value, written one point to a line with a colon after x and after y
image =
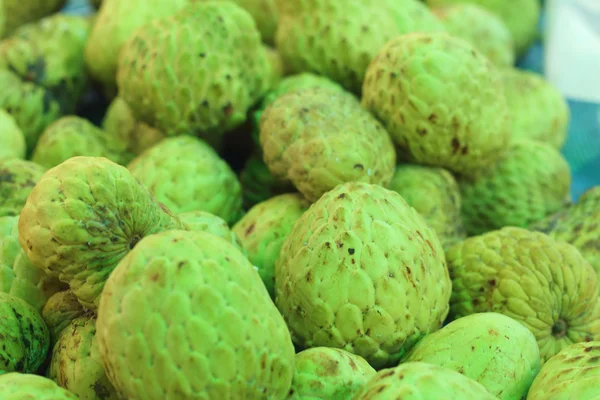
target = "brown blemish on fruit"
x: 250, y: 229
x: 492, y: 332
x: 455, y: 145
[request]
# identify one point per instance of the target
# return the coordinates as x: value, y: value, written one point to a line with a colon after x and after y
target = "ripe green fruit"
x: 527, y: 276
x: 490, y: 348
x: 441, y: 101
x: 11, y: 136
x: 362, y: 271
x: 24, y: 12
x: 60, y: 310
x: 258, y: 184
x: 194, y: 303
x: 17, y: 179
x: 15, y: 386
x: 202, y: 221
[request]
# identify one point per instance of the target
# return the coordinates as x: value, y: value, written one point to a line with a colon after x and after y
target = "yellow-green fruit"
x: 323, y: 373
x: 319, y: 138
x: 490, y: 348
x: 17, y: 179
x: 482, y: 28
x: 193, y: 303
x: 186, y: 174
x: 434, y: 193
x: 263, y: 230
x: 15, y: 386
x: 258, y: 184
x: 520, y: 16
x: 83, y: 217
x: 276, y: 66
x: 420, y: 381
x: 19, y: 13
x: 73, y: 136
x: 11, y: 137
x: 441, y: 101
x: 362, y: 271
x: 541, y: 282
x: 538, y: 110
x: 202, y: 221
x: 574, y: 373
x: 197, y: 72
x: 24, y: 334
x: 59, y: 311
x: 2, y: 18
x: 77, y: 365
x: 529, y: 182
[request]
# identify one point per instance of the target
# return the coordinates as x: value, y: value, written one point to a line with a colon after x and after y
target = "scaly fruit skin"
x: 419, y: 381
x: 362, y: 271
x: 490, y: 348
x: 324, y: 373
x: 77, y: 365
x: 11, y: 136
x: 520, y: 16
x: 24, y: 12
x: 434, y: 193
x: 319, y: 138
x: 60, y: 310
x: 482, y: 28
x: 529, y: 182
x: 441, y: 101
x: 24, y: 335
x: 202, y: 221
x: 15, y: 386
x: 574, y: 373
x: 543, y: 283
x: 538, y: 110
x: 183, y: 80
x: 73, y: 136
x: 81, y: 219
x: 17, y: 179
x: 193, y: 301
x: 263, y: 230
x: 192, y: 178
x: 258, y: 184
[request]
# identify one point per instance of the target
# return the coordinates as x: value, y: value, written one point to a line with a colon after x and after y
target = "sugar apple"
x: 203, y: 221
x: 11, y: 136
x: 17, y: 179
x: 16, y: 386
x: 60, y: 310
x: 258, y: 184
x: 23, y: 12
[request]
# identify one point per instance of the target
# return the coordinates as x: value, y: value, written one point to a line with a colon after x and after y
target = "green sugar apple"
x: 11, y: 137
x: 323, y: 373
x: 541, y: 282
x: 22, y: 12
x: 362, y: 271
x: 441, y: 101
x: 574, y: 373
x: 277, y: 69
x: 16, y: 386
x: 263, y: 230
x: 77, y: 365
x: 197, y: 72
x: 186, y: 174
x: 420, y: 381
x: 193, y: 304
x: 434, y: 193
x: 490, y: 348
x: 73, y: 136
x: 319, y: 138
x: 17, y: 179
x: 83, y: 217
x: 482, y: 28
x: 258, y: 184
x: 538, y: 110
x: 529, y: 182
x: 25, y: 338
x: 60, y: 310
x: 203, y: 221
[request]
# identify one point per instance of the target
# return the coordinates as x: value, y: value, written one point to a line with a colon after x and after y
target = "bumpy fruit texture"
x: 277, y: 69
x: 529, y: 182
x: 419, y: 381
x: 574, y: 373
x: 319, y: 138
x: 258, y: 184
x: 83, y: 217
x: 543, y: 283
x: 362, y: 271
x: 263, y: 230
x: 520, y: 16
x: 17, y: 179
x: 482, y: 28
x: 60, y: 310
x: 77, y: 365
x: 434, y: 193
x: 202, y: 221
x: 73, y: 136
x: 194, y: 302
x: 198, y: 72
x: 25, y: 337
x: 538, y: 110
x: 441, y: 101
x: 492, y: 349
x: 19, y: 12
x: 16, y: 386
x: 11, y: 137
x: 186, y: 174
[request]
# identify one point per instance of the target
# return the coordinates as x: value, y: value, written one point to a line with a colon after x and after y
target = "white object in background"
x: 572, y: 48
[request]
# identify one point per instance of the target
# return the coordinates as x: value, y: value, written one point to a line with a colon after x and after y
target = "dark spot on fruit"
x: 350, y: 251
x: 154, y: 277
x: 492, y: 332
x: 472, y: 348
x: 422, y: 132
x: 339, y: 244
x: 205, y: 103
x: 455, y: 145
x: 101, y: 391
x: 588, y: 349
x: 227, y: 259
x: 432, y: 118
x: 388, y: 373
x: 492, y: 282
x: 560, y: 328
x: 309, y: 277
x: 465, y: 150
x: 381, y: 389
x: 228, y: 110
x: 359, y: 166
x: 408, y: 270
x: 393, y: 75
x: 134, y: 240
x: 180, y: 264
x: 202, y: 55
x: 341, y: 196
x: 250, y: 229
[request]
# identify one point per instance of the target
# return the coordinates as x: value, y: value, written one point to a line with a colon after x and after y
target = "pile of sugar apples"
x: 289, y: 199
